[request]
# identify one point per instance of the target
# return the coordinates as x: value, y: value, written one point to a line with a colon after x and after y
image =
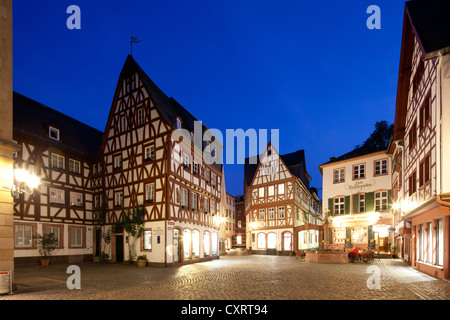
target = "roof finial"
x: 133, y: 40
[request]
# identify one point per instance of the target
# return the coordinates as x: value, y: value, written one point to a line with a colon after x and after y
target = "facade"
x: 227, y: 226
x: 421, y: 184
x: 283, y: 215
x: 146, y: 158
x: 149, y: 158
x: 239, y: 240
x: 7, y: 147
x: 61, y: 151
x: 357, y: 201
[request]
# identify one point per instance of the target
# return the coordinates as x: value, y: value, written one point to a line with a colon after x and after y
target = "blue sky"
x: 311, y: 69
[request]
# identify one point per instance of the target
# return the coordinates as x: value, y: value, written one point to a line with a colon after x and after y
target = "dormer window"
x: 178, y: 123
x: 53, y: 133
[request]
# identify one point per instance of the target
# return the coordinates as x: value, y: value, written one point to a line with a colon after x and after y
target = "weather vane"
x: 133, y: 40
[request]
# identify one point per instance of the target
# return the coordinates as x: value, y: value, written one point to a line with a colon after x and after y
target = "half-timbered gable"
x: 146, y: 162
x: 61, y: 152
x: 277, y: 198
x: 421, y: 132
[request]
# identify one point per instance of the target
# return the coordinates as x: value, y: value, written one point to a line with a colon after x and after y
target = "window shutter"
x: 347, y: 205
x: 389, y: 199
x: 330, y: 236
x: 348, y: 233
x: 369, y: 202
x: 330, y: 206
x: 355, y: 203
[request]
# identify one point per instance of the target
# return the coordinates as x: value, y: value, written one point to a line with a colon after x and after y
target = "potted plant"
x: 394, y: 251
x: 46, y: 245
x: 141, y: 261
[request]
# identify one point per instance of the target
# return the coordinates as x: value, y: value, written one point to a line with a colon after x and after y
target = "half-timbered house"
x: 149, y: 158
x: 61, y: 151
x: 420, y: 153
x: 283, y: 215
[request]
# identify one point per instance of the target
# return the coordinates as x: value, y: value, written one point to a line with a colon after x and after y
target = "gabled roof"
x: 295, y: 161
x: 168, y: 108
x: 431, y: 23
x: 32, y: 119
x: 358, y: 152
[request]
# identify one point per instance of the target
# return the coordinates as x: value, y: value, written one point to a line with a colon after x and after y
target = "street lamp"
x: 25, y: 183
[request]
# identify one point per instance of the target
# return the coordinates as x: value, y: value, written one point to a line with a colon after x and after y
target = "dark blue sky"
x: 311, y: 69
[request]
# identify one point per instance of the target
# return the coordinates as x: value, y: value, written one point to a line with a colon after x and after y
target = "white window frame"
x: 281, y: 189
x: 359, y: 171
x: 150, y: 153
x: 380, y: 167
x: 339, y: 175
x: 271, y: 190
x: 56, y: 196
x: 118, y: 198
x: 381, y: 200
x: 147, y: 239
x: 262, y: 214
x: 271, y: 213
x: 23, y: 236
x: 58, y: 161
x: 261, y: 192
x: 339, y: 204
x: 281, y: 213
x: 150, y: 192
x: 55, y: 230
x: 78, y: 237
x: 184, y: 197
x: 74, y: 166
x: 76, y: 199
x: 53, y: 131
x: 194, y: 204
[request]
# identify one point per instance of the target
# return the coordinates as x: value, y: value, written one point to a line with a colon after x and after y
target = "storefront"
x: 372, y: 230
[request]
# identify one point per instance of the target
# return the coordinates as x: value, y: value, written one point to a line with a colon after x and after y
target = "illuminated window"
x: 271, y: 240
x: 339, y: 205
x: 195, y: 244
x: 281, y: 188
x: 206, y: 243
x: 76, y: 199
x: 381, y: 201
x: 147, y: 241
x: 187, y: 243
x: 287, y: 241
x: 261, y: 241
x: 261, y: 192
x: 56, y: 196
x: 271, y: 190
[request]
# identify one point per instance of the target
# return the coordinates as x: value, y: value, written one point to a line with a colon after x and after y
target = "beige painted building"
x: 7, y: 147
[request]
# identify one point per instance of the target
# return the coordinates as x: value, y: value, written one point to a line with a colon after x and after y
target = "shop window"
x: 261, y: 241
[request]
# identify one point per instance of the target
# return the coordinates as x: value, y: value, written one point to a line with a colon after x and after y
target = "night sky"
x: 311, y: 69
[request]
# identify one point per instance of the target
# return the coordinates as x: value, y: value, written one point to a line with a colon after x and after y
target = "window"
x: 187, y: 243
x: 271, y: 240
x: 339, y: 235
x: 281, y: 188
x: 381, y: 201
x: 186, y: 160
x: 271, y: 213
x: 150, y: 153
x: 23, y: 236
x: 280, y: 212
x: 359, y: 234
x: 420, y: 243
x: 380, y: 167
x: 195, y: 243
x: 213, y: 179
x: 76, y: 237
x: 440, y: 242
x: 194, y: 201
x: 412, y: 135
x: 261, y: 241
x: 206, y: 243
x: 362, y: 202
x: 213, y: 207
x: 287, y: 241
x: 150, y: 192
x: 271, y: 190
x: 53, y: 133
x: 118, y: 162
x: 339, y: 205
x: 130, y: 83
x: 359, y: 171
x: 118, y: 199
x: 425, y: 114
x: 74, y: 166
x: 195, y: 167
x: 412, y: 183
x: 184, y: 198
x: 147, y: 241
x: 76, y: 199
x: 339, y: 175
x: 262, y: 214
x: 178, y: 123
x: 55, y: 231
x: 206, y: 205
x: 140, y: 117
x: 57, y: 161
x: 429, y: 243
x: 424, y: 173
x: 261, y: 192
x: 57, y: 196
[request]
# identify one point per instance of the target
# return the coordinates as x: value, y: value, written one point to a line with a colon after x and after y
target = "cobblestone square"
x: 232, y: 277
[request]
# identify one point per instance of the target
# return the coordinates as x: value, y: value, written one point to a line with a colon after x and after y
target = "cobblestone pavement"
x: 232, y: 277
